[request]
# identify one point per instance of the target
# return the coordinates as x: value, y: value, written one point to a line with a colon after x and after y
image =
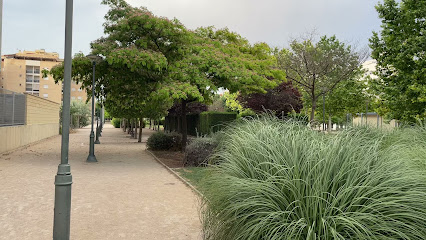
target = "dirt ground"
x: 172, y: 159
x: 126, y: 195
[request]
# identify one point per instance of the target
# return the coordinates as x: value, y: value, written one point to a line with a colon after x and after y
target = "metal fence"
x: 12, y: 108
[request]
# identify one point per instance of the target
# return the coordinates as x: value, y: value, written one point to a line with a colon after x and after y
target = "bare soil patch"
x: 172, y: 159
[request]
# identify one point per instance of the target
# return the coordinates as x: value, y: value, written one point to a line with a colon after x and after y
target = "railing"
x: 12, y: 108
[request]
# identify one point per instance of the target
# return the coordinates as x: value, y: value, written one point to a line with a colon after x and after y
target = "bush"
x: 160, y: 141
x: 281, y: 180
x: 165, y: 141
x: 116, y: 122
x: 176, y: 140
x: 211, y: 122
x: 198, y: 151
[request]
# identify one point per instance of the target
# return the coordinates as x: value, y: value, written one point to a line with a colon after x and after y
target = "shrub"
x: 160, y: 141
x: 176, y: 140
x: 115, y: 122
x: 281, y: 180
x: 165, y: 141
x: 211, y: 122
x: 198, y: 151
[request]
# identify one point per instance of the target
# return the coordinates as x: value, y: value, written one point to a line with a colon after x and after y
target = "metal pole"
x: 92, y: 157
x: 323, y: 112
x: 97, y: 131
x: 63, y: 179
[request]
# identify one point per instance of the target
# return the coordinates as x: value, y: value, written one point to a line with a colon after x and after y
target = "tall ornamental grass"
x: 280, y: 180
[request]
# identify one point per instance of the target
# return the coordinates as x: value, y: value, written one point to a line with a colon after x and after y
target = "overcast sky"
x: 30, y: 25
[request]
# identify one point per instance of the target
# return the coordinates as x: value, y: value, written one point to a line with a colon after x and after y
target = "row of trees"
x: 151, y: 63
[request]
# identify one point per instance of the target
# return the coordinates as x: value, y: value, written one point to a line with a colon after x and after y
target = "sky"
x: 30, y: 25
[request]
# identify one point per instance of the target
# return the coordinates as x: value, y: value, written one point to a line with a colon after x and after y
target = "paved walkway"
x: 126, y: 195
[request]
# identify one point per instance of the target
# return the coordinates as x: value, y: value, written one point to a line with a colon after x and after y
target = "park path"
x: 126, y: 195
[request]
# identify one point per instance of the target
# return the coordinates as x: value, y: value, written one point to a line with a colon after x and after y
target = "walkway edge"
x: 176, y: 175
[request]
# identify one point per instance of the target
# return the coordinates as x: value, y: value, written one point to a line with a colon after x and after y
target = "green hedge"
x: 211, y: 122
x: 203, y: 123
x: 115, y: 122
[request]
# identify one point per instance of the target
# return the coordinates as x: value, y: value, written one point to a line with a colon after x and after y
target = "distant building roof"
x: 40, y: 55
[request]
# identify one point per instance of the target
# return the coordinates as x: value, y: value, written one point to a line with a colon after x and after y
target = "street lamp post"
x: 92, y: 157
x: 98, y: 130
x: 63, y: 178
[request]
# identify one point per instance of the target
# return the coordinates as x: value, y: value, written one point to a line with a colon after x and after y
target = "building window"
x: 73, y: 89
x: 45, y: 86
x: 30, y: 69
x: 72, y: 98
x: 80, y: 90
x: 79, y: 98
x: 45, y: 95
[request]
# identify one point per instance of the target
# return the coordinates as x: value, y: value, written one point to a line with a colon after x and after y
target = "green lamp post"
x: 63, y: 178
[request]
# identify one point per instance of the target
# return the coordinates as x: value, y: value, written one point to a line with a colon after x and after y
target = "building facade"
x: 22, y: 72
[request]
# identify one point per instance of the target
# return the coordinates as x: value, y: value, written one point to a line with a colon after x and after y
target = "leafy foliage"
x: 199, y: 150
x: 191, y: 108
x: 211, y: 122
x: 160, y: 141
x: 401, y: 64
x: 317, y: 67
x: 152, y: 62
x: 80, y: 114
x: 282, y: 99
x: 116, y: 122
x: 281, y: 180
x: 164, y: 141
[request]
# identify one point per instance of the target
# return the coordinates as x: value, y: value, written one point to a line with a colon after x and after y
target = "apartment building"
x: 22, y: 72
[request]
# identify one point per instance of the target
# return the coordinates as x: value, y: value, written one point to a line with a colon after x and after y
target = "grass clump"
x: 193, y: 174
x: 280, y: 180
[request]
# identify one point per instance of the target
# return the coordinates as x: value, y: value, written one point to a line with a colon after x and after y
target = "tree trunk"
x: 179, y: 126
x: 129, y: 126
x: 140, y: 130
x: 150, y: 123
x: 136, y: 128
x: 184, y: 126
x: 314, y: 107
x: 329, y: 124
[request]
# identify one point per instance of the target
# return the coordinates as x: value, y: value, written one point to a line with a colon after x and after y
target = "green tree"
x: 348, y: 97
x: 318, y: 67
x: 153, y: 60
x: 399, y: 49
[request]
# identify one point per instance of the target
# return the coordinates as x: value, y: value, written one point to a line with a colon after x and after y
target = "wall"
x: 42, y: 121
x: 372, y: 121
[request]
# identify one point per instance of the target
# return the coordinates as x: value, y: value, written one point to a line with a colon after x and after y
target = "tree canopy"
x: 280, y: 100
x: 399, y: 49
x: 318, y: 67
x: 153, y: 62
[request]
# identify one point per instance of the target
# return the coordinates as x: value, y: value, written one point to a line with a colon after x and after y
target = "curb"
x: 176, y: 175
